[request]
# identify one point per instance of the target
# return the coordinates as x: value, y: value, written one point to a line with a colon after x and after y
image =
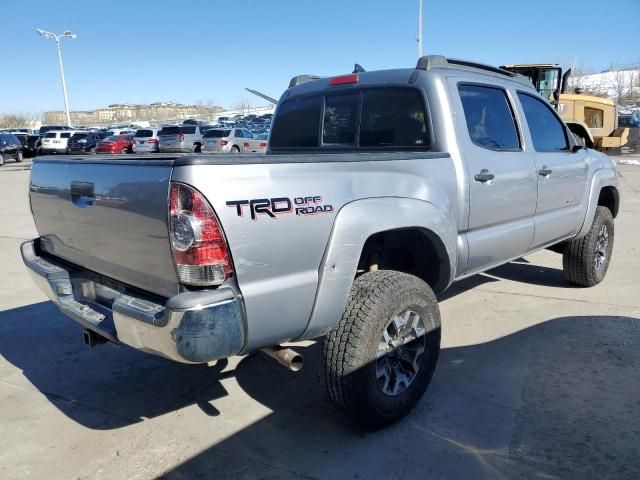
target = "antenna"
x: 419, y: 28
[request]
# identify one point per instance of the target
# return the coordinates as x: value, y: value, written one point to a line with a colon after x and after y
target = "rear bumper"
x: 174, y: 149
x: 146, y: 148
x: 49, y: 150
x: 191, y: 327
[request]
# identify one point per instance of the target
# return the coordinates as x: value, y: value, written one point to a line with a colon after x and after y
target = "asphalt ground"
x: 536, y: 379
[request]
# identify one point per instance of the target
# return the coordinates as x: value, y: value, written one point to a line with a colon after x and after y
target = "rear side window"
x: 393, y: 117
x: 297, y: 123
x: 50, y: 135
x: 144, y: 133
x: 547, y: 131
x: 489, y: 117
x: 65, y: 135
x: 188, y: 130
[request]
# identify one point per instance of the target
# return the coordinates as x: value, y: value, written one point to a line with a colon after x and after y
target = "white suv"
x: 55, y: 141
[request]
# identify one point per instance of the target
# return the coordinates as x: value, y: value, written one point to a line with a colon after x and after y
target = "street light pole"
x: 57, y: 39
x: 419, y: 28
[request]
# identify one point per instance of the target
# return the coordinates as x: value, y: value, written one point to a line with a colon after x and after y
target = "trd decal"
x: 281, y: 205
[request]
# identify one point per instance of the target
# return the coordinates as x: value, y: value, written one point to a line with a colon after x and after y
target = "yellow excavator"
x: 593, y: 120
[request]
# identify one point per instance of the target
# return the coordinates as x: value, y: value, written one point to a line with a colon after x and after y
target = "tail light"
x: 344, y: 80
x: 180, y: 137
x: 263, y: 145
x: 152, y: 140
x: 223, y: 142
x: 200, y: 251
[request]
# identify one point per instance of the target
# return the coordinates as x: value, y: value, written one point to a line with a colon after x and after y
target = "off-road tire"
x: 579, y: 257
x: 349, y: 351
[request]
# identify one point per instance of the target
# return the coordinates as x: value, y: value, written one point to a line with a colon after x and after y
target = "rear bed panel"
x: 109, y: 217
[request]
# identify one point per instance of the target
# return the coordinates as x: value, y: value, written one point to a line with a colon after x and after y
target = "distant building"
x: 124, y: 113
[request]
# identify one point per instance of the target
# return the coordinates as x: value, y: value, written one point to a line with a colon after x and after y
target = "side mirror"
x: 577, y: 148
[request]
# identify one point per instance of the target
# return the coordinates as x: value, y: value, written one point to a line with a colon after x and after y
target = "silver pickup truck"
x: 378, y: 191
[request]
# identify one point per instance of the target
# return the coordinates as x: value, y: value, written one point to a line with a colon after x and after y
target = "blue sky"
x: 143, y: 51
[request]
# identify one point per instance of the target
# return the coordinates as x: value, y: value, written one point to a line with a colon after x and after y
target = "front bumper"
x: 190, y: 327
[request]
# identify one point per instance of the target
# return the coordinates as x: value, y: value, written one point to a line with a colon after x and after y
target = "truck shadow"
x: 556, y: 400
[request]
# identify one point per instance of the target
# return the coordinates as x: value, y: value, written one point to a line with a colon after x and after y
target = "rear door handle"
x: 484, y: 176
x: 545, y: 171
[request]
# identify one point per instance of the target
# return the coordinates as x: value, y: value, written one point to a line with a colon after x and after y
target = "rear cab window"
x: 217, y: 133
x: 173, y: 130
x: 373, y: 118
x: 188, y: 130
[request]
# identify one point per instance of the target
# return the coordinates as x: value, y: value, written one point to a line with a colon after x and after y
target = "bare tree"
x: 18, y: 120
x: 618, y: 83
x: 244, y: 105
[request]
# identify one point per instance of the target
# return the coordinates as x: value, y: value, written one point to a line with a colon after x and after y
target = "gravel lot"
x: 537, y: 379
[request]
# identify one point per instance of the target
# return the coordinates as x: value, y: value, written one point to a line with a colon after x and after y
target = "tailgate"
x: 107, y: 216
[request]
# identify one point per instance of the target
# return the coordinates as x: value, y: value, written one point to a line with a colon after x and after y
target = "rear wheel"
x: 1, y: 159
x: 235, y: 149
x: 19, y: 157
x: 197, y: 148
x: 585, y: 261
x: 125, y: 150
x: 380, y: 358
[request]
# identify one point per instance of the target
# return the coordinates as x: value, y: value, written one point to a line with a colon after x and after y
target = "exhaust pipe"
x: 91, y: 338
x: 285, y: 356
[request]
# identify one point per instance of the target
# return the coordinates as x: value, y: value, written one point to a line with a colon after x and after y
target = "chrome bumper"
x: 191, y: 327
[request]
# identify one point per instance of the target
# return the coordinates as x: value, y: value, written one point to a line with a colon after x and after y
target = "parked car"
x: 121, y: 131
x: 146, y: 140
x: 366, y: 205
x: 233, y: 140
x: 55, y: 141
x: 32, y: 146
x: 85, y: 142
x: 116, y: 144
x: 47, y: 128
x: 10, y: 148
x: 181, y: 138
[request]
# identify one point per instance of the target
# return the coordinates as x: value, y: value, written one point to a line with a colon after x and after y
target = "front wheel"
x: 19, y: 157
x: 585, y: 261
x: 380, y: 358
x: 235, y: 149
x: 125, y: 150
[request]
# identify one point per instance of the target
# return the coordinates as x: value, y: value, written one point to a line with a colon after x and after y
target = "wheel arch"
x: 603, y: 191
x: 400, y: 223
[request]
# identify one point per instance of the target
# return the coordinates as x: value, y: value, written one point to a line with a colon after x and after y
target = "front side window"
x: 489, y: 117
x: 547, y: 131
x: 187, y: 130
